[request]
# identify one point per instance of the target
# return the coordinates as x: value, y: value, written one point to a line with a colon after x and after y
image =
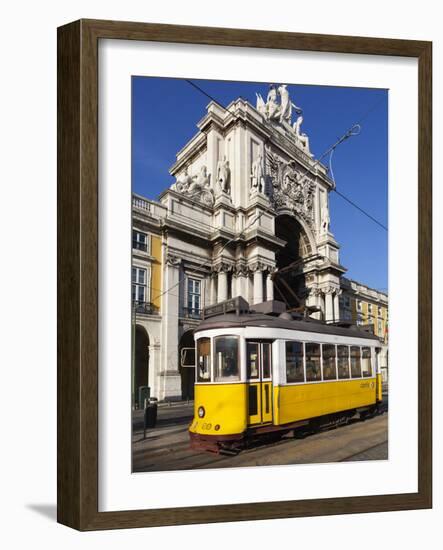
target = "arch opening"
x: 187, y: 365
x: 290, y: 281
x: 141, y: 365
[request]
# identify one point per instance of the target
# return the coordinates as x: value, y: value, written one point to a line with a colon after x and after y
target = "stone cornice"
x: 179, y: 226
x: 181, y: 197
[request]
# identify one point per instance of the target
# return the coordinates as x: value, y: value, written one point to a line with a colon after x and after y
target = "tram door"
x: 259, y: 374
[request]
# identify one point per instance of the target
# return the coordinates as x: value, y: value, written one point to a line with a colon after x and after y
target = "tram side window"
x: 329, y: 370
x: 204, y: 360
x: 226, y: 358
x: 313, y: 370
x: 343, y: 361
x: 355, y: 362
x: 366, y: 366
x: 294, y: 362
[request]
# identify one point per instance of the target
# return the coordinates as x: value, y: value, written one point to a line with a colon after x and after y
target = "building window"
x: 294, y: 362
x: 359, y: 305
x: 194, y: 297
x: 139, y: 241
x: 380, y: 328
x: 370, y: 309
x: 347, y: 315
x: 139, y: 285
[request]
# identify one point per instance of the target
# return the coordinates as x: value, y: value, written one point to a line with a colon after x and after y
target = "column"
x: 234, y: 289
x: 222, y: 293
x: 336, y: 307
x: 329, y: 307
x: 154, y: 367
x: 213, y: 289
x: 269, y: 287
x: 258, y: 287
x: 242, y: 285
x: 170, y: 385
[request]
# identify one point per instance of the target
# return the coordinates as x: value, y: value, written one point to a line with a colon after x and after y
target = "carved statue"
x: 261, y: 105
x: 285, y: 104
x: 272, y: 106
x: 301, y: 137
x: 325, y: 220
x: 182, y: 183
x: 200, y: 181
x: 279, y: 107
x: 257, y: 176
x: 224, y: 175
x: 197, y: 187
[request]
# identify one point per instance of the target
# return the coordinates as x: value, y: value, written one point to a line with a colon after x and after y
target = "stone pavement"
x: 166, y: 446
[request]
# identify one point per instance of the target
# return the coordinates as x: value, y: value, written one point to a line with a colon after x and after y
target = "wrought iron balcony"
x: 146, y: 308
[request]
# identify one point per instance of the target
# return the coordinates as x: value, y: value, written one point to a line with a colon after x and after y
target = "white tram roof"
x: 231, y: 320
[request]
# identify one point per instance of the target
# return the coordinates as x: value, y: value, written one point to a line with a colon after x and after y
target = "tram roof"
x: 231, y: 320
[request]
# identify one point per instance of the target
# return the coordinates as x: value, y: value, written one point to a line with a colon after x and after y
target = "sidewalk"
x: 177, y: 413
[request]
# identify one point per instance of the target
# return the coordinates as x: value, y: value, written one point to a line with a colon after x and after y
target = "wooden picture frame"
x: 78, y: 274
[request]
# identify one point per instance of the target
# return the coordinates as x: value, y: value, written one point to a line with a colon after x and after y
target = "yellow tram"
x: 260, y: 374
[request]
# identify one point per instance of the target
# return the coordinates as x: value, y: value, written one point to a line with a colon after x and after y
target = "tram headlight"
x: 201, y: 412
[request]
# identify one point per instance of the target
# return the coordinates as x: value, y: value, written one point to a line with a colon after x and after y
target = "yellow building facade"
x: 368, y: 308
x: 364, y: 306
x: 146, y: 297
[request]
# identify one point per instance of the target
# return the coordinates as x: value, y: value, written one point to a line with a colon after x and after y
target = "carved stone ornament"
x: 330, y: 289
x: 316, y: 291
x: 257, y: 266
x: 222, y: 267
x: 241, y: 270
x: 195, y: 187
x: 172, y: 260
x: 290, y: 190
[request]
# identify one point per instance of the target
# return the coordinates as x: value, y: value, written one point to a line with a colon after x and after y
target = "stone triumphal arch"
x: 247, y: 215
x: 249, y: 175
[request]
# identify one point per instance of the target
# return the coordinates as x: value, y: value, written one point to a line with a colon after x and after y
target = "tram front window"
x: 226, y: 359
x: 204, y: 360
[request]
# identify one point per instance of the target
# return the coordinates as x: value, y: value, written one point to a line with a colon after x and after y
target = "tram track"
x: 358, y: 440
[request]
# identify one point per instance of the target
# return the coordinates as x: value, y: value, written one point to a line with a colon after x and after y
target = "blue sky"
x: 165, y: 113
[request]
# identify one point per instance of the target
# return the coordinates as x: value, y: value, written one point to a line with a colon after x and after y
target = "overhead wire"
x: 352, y: 131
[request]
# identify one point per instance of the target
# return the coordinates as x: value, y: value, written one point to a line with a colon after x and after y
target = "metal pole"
x: 133, y: 358
x: 145, y: 405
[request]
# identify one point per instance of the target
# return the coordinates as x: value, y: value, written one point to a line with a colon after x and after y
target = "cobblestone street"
x: 166, y: 446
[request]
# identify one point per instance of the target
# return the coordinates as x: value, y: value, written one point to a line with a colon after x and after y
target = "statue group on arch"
x: 279, y: 108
